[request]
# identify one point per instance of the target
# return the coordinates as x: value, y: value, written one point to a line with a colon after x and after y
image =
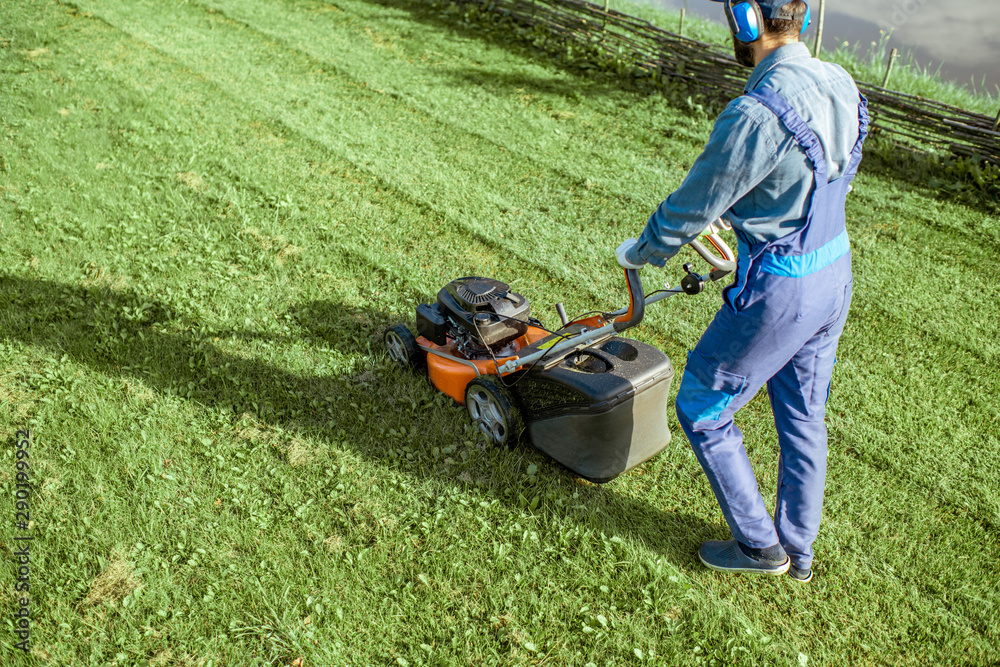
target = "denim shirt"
x: 752, y: 171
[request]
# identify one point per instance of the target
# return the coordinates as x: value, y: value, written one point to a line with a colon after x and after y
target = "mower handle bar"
x: 631, y: 317
x: 726, y: 264
x: 625, y: 320
x: 636, y: 302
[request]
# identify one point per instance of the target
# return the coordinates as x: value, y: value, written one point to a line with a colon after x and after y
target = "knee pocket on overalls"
x: 706, y: 391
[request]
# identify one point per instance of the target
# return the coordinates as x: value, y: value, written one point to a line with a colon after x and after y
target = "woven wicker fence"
x: 635, y: 46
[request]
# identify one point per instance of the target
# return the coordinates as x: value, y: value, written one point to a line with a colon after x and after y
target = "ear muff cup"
x: 745, y: 20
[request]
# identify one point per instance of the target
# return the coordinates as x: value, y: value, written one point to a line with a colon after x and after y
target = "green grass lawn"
x: 211, y: 210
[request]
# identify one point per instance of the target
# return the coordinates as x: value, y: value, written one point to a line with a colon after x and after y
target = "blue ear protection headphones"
x: 747, y: 22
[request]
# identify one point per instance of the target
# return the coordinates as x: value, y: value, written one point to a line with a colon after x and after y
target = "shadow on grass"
x: 123, y: 334
x: 944, y: 178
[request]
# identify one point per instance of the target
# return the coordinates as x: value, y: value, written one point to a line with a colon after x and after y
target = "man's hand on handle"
x: 621, y: 253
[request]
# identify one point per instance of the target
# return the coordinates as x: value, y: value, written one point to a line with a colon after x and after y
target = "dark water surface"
x: 964, y: 36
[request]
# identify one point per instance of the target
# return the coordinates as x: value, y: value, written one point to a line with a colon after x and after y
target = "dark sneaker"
x: 727, y: 556
x: 803, y: 576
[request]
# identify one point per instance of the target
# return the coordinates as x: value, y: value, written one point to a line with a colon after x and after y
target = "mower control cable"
x: 534, y: 358
x: 634, y: 313
x: 444, y: 355
x: 542, y: 355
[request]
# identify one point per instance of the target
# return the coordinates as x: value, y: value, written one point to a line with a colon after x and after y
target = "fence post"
x: 680, y: 31
x: 819, y: 28
x: 996, y: 123
x: 888, y: 70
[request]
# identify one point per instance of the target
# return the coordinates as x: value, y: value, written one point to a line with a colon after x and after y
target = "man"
x: 777, y: 167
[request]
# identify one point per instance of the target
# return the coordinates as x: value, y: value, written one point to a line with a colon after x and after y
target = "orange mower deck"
x: 451, y: 377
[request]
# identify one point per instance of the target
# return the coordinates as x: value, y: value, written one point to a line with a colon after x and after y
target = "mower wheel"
x: 492, y: 407
x: 401, y: 346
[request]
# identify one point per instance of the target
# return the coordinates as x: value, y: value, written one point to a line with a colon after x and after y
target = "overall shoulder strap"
x: 852, y: 165
x: 793, y: 122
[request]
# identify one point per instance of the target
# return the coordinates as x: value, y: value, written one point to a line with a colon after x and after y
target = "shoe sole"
x: 781, y: 569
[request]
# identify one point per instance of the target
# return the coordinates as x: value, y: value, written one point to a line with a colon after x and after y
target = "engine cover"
x: 486, y: 309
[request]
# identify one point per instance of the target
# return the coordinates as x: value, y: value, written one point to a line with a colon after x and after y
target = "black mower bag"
x: 600, y: 411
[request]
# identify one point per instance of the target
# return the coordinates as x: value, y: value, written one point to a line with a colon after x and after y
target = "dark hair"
x: 783, y: 27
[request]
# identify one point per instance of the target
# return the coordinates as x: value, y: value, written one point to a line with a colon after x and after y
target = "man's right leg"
x: 798, y: 394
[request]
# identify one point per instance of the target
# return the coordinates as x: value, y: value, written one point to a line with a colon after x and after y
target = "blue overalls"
x: 781, y: 323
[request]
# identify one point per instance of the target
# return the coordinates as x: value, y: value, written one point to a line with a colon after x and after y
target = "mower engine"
x: 481, y: 315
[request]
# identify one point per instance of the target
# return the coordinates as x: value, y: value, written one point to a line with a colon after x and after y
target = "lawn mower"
x: 588, y: 398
